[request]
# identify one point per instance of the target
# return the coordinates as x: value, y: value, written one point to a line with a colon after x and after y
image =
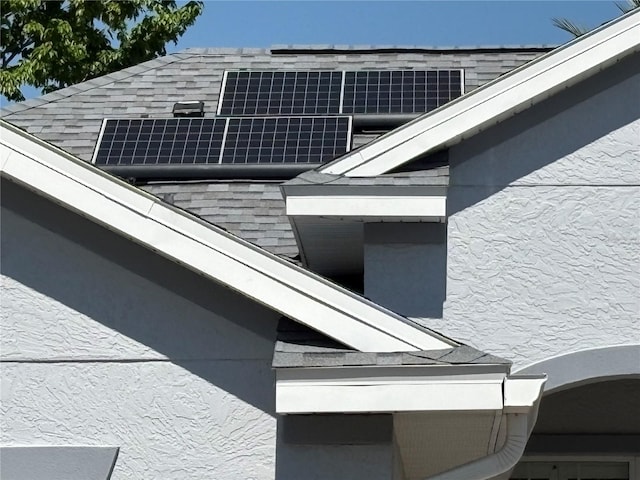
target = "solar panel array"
x: 246, y: 140
x: 333, y: 92
x: 276, y: 118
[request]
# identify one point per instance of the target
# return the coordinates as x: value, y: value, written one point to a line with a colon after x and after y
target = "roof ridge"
x: 91, y: 84
x: 224, y: 50
x: 329, y: 48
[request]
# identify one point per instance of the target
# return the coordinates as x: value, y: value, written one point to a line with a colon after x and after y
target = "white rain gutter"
x: 522, y: 396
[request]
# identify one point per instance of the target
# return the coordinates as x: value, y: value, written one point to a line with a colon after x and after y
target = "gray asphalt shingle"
x: 299, y: 346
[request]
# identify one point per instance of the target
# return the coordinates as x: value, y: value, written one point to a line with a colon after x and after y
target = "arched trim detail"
x: 587, y: 366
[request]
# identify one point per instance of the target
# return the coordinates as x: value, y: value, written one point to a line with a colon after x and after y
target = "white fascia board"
x: 379, y: 394
x: 437, y: 396
x: 271, y: 281
x: 404, y: 389
x: 489, y: 104
x: 406, y: 206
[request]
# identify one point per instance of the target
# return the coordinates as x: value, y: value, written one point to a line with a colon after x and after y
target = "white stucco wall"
x: 418, y: 271
x: 544, y: 224
x: 95, y: 354
x: 103, y: 343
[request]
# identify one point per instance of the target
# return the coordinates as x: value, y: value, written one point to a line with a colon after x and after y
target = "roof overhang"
x: 495, y: 101
x: 364, y: 207
x: 265, y: 278
x: 328, y: 221
x: 381, y: 389
x: 497, y: 411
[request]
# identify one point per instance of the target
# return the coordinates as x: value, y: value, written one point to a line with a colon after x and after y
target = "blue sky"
x: 240, y: 23
x: 431, y: 23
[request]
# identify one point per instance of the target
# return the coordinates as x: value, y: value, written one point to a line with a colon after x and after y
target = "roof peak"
x: 318, y: 49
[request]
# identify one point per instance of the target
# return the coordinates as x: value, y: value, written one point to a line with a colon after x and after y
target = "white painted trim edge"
x: 581, y: 367
x: 381, y: 393
x: 380, y: 397
x: 367, y: 206
x: 518, y: 89
x: 271, y: 281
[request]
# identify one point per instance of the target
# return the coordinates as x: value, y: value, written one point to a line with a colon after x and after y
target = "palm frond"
x: 628, y: 6
x: 569, y: 26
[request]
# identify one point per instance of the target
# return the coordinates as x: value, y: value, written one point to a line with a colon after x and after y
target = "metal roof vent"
x: 191, y: 108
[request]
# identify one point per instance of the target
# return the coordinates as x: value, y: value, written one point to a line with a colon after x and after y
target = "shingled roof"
x: 71, y: 118
x: 299, y: 346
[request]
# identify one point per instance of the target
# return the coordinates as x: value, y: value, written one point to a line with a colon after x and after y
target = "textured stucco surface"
x: 105, y: 343
x: 96, y: 354
x: 544, y: 224
x: 365, y: 462
x: 168, y: 422
x: 408, y: 277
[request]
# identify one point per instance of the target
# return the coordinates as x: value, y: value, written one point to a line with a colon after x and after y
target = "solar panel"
x: 246, y: 140
x: 286, y: 139
x: 160, y: 141
x: 400, y: 91
x: 280, y: 93
x: 313, y: 93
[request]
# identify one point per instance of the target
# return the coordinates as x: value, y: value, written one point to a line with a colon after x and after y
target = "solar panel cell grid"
x: 160, y: 141
x: 285, y: 139
x: 281, y: 93
x: 399, y: 91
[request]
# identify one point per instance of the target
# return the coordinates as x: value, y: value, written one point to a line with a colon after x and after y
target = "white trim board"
x: 434, y: 396
x: 181, y: 237
x: 299, y: 391
x: 495, y: 101
x: 380, y: 390
x: 340, y: 206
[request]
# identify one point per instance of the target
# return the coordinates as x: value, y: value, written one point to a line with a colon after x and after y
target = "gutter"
x: 522, y: 396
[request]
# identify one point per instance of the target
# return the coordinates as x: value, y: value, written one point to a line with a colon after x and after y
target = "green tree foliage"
x: 53, y: 44
x: 579, y: 30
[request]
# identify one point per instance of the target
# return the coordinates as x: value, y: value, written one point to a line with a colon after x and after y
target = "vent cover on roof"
x: 193, y: 108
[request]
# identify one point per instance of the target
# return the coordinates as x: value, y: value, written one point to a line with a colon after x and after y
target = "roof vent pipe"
x: 191, y: 108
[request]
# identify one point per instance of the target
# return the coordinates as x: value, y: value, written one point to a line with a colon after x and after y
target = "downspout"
x: 522, y: 396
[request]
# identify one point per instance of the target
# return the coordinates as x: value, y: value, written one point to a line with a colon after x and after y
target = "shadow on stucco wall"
x: 194, y: 323
x: 545, y: 133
